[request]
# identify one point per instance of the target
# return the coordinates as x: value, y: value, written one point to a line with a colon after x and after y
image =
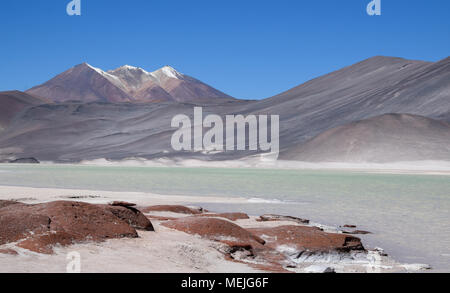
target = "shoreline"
x: 372, y: 261
x: 44, y: 194
x: 440, y: 168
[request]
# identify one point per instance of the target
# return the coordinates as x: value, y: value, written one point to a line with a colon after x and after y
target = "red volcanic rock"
x: 122, y: 204
x: 259, y: 247
x: 85, y: 220
x: 356, y: 232
x: 63, y: 222
x: 44, y: 243
x: 132, y: 216
x: 171, y: 208
x: 229, y: 216
x: 302, y: 239
x: 307, y: 239
x: 5, y: 203
x: 216, y: 229
x: 270, y: 218
x: 16, y: 224
x: 8, y: 251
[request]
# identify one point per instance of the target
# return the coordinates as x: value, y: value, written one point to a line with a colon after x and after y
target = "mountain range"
x: 85, y: 83
x: 377, y: 110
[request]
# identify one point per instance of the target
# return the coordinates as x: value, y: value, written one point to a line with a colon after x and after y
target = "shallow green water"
x: 409, y: 214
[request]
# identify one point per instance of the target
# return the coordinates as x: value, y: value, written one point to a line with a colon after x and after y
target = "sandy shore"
x: 158, y: 252
x: 167, y: 250
x: 39, y: 195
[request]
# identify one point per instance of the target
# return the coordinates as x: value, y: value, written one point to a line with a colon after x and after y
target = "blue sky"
x: 246, y: 48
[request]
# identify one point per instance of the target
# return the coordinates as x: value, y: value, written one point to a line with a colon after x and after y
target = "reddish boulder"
x: 216, y: 229
x: 16, y: 224
x: 44, y: 243
x: 8, y: 251
x: 84, y: 220
x: 132, y: 216
x: 307, y: 239
x: 229, y: 216
x: 122, y: 204
x: 64, y: 222
x: 5, y: 203
x: 302, y: 239
x: 357, y: 232
x: 171, y: 208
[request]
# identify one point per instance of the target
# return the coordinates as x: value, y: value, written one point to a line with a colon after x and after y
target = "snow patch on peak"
x: 98, y: 70
x: 168, y: 71
x: 113, y: 79
x: 171, y: 72
x: 95, y: 68
x: 129, y: 68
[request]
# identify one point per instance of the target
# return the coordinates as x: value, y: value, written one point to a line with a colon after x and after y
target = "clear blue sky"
x: 246, y: 48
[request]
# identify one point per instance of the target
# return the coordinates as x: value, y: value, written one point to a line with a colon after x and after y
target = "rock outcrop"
x: 25, y: 161
x: 122, y: 204
x: 16, y: 224
x: 8, y: 251
x: 286, y: 245
x: 305, y: 238
x: 41, y: 226
x: 132, y: 216
x: 357, y: 232
x: 267, y: 248
x: 44, y: 243
x: 217, y: 230
x: 5, y: 203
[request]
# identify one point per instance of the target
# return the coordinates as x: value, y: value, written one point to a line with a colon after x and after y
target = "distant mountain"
x: 374, y: 87
x: 140, y: 84
x: 83, y: 83
x: 13, y: 102
x: 71, y: 132
x: 184, y: 88
x: 86, y: 83
x: 386, y: 138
